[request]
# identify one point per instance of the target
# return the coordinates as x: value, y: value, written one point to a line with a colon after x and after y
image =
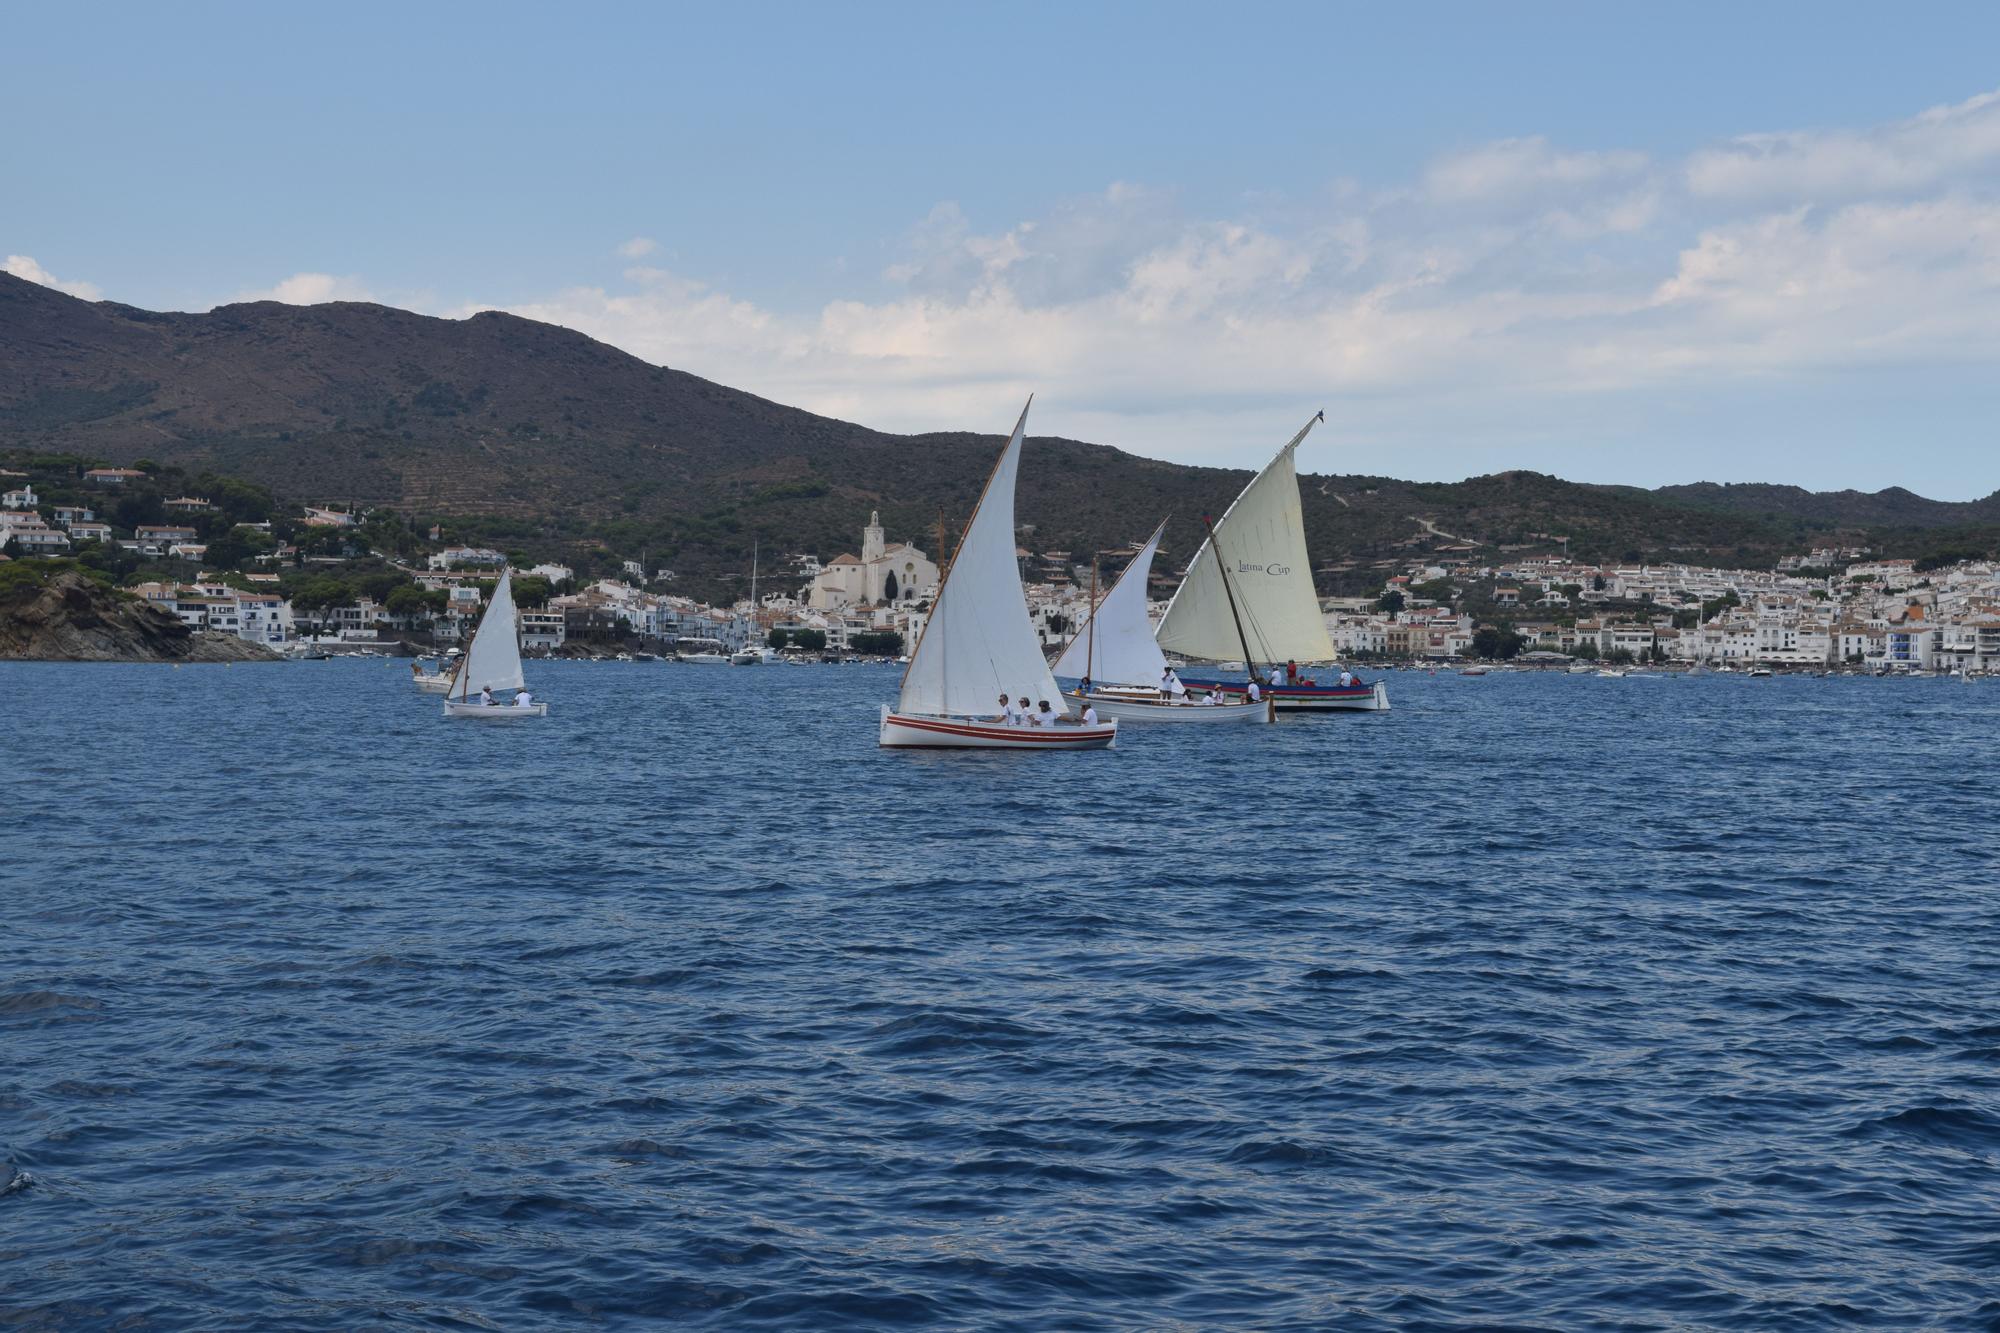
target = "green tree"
x: 1390, y: 601
x: 889, y: 587
x: 809, y: 640
x: 883, y: 643
x: 776, y: 638
x: 531, y: 591
x: 408, y: 600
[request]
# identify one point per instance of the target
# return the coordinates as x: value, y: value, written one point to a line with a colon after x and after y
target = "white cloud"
x: 1507, y: 285
x: 1942, y: 144
x: 638, y: 247
x: 24, y: 266
x: 312, y: 289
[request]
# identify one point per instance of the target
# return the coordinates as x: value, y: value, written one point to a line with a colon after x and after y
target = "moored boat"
x: 979, y: 645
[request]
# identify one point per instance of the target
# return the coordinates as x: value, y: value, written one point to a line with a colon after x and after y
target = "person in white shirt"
x: 524, y: 699
x: 1255, y: 693
x: 1089, y: 715
x: 486, y: 695
x: 1044, y: 717
x: 1021, y: 713
x: 1006, y: 710
x: 1277, y: 674
x: 1346, y: 677
x: 1212, y: 698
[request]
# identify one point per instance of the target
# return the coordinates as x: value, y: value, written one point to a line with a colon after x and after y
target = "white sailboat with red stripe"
x: 979, y: 645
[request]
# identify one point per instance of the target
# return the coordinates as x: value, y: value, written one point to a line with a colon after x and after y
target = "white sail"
x: 1262, y: 539
x: 979, y: 641
x: 494, y: 659
x: 1115, y: 646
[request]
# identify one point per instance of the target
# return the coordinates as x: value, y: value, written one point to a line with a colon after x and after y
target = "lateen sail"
x: 494, y: 659
x: 1116, y: 644
x: 979, y: 641
x: 1262, y: 538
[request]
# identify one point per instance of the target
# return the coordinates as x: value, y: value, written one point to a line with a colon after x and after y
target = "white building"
x: 883, y: 572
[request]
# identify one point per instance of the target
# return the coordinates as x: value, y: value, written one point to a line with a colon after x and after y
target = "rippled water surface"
x: 1537, y: 1002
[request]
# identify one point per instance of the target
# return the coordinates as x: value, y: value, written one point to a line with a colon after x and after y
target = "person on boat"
x: 1277, y: 674
x: 486, y: 696
x: 1023, y: 714
x: 1253, y: 691
x: 1170, y: 685
x: 1213, y: 698
x: 1346, y: 678
x: 524, y: 699
x: 1089, y: 714
x: 416, y: 668
x: 1292, y: 672
x: 1044, y: 717
x: 1084, y: 688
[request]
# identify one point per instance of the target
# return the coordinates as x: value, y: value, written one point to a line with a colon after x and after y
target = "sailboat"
x: 979, y: 644
x: 1116, y: 653
x: 752, y: 653
x: 493, y: 662
x: 1266, y: 606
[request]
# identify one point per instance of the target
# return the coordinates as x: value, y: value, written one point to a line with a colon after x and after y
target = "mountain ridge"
x: 537, y: 435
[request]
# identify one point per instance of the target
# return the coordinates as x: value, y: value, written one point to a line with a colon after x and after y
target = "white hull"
x: 1128, y: 708
x: 706, y: 659
x: 921, y: 731
x: 496, y: 711
x: 431, y: 684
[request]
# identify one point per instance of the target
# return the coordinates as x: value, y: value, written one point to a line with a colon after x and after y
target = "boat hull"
x: 432, y: 684
x: 1132, y: 708
x: 1310, y: 698
x: 495, y: 712
x: 921, y: 731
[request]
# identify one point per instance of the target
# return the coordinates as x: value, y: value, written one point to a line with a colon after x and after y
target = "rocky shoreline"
x: 70, y: 617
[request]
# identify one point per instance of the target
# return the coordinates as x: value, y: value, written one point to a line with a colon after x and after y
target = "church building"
x: 882, y: 573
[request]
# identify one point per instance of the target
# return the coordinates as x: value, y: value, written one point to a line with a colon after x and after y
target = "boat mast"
x: 1090, y: 644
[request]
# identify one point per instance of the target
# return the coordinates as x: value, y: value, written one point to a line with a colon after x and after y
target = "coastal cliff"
x: 70, y: 617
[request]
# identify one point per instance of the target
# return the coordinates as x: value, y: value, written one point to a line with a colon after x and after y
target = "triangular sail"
x: 979, y: 640
x: 1262, y: 539
x: 1115, y: 646
x: 493, y: 660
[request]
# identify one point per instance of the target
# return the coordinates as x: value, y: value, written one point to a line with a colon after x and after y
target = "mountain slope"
x: 546, y: 440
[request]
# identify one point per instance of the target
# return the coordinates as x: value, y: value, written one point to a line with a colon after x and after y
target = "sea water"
x: 1539, y: 1001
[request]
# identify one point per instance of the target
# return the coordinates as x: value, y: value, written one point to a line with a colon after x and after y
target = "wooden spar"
x: 1090, y: 645
x: 1249, y: 667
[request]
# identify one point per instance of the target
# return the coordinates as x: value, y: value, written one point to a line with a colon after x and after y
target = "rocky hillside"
x: 66, y: 616
x: 538, y: 438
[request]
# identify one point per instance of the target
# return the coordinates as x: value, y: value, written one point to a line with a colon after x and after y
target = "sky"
x: 1626, y: 244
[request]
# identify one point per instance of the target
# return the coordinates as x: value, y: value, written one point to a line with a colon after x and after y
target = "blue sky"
x: 1620, y: 244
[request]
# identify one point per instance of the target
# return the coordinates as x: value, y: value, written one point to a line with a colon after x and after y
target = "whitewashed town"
x: 1823, y: 609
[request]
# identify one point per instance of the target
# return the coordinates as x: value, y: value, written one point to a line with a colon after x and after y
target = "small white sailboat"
x: 1266, y: 608
x: 1115, y: 651
x: 979, y: 644
x: 493, y: 662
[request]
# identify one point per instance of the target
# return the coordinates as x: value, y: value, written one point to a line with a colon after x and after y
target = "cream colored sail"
x: 979, y: 641
x: 493, y: 661
x: 1262, y: 540
x: 1115, y: 646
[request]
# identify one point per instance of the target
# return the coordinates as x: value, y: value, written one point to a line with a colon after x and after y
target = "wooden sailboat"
x: 1265, y: 607
x: 492, y: 662
x: 1116, y: 653
x: 979, y: 644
